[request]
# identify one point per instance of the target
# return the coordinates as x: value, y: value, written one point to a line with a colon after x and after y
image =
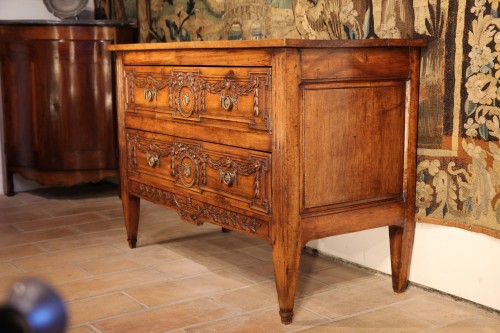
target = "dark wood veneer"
x: 58, y: 104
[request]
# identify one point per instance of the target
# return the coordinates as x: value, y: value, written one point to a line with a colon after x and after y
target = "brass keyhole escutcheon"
x: 185, y: 99
x: 153, y: 160
x: 187, y: 170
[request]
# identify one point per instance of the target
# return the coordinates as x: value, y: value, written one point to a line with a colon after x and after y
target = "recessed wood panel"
x: 353, y: 143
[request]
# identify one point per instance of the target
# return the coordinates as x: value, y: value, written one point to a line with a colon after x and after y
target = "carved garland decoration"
x: 229, y: 92
x: 150, y: 85
x: 194, y: 211
x: 154, y: 152
x: 229, y: 167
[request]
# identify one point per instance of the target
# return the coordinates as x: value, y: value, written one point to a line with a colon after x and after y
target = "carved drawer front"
x: 217, y: 173
x: 236, y: 96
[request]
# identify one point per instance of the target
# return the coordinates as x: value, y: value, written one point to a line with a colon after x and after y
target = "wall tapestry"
x: 458, y: 174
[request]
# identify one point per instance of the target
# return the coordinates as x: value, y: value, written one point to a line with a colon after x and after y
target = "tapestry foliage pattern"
x: 458, y: 174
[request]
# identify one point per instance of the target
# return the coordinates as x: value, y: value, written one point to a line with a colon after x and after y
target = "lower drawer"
x: 217, y: 174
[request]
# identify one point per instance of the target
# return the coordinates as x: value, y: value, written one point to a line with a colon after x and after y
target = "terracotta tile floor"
x: 183, y: 278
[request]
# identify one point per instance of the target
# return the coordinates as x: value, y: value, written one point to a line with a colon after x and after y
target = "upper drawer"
x: 238, y: 97
x: 353, y: 62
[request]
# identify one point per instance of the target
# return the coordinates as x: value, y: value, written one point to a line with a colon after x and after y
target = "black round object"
x: 12, y: 321
x: 65, y: 8
x: 41, y: 308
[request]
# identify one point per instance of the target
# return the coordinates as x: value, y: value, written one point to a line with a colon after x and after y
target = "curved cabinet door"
x: 58, y: 102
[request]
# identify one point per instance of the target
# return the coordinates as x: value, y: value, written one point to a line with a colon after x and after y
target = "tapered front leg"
x: 286, y: 260
x: 131, y: 209
x: 286, y: 219
x: 401, y: 242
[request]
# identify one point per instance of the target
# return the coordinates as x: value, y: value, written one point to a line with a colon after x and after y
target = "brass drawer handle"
x: 150, y: 95
x: 227, y: 177
x: 226, y: 102
x: 153, y: 160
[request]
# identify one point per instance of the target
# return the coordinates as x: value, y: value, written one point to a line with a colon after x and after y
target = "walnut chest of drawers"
x: 57, y: 100
x: 286, y: 140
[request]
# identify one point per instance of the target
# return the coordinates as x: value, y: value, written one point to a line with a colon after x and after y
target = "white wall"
x: 451, y: 260
x: 32, y: 10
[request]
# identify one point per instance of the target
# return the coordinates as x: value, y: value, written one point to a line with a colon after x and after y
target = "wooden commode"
x: 57, y: 98
x: 285, y: 140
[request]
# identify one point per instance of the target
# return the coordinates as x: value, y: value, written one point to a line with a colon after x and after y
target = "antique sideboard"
x: 286, y: 140
x: 58, y: 100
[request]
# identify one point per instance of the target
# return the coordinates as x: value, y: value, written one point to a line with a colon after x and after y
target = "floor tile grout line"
x: 242, y: 314
x: 13, y: 225
x: 93, y: 276
x: 78, y: 263
x: 453, y: 298
x: 146, y: 309
x: 87, y: 325
x: 72, y: 236
x: 364, y: 312
x: 308, y: 310
x: 358, y: 281
x: 118, y: 292
x: 185, y: 300
x: 207, y: 296
x: 443, y: 325
x: 247, y: 313
x: 410, y: 283
x: 58, y: 226
x: 260, y: 259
